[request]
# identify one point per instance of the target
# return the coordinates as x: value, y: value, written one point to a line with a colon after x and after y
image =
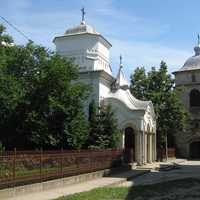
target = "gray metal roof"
x: 192, y: 63
x: 82, y: 28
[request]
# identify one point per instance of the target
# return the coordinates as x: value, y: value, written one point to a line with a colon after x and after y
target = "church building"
x: 188, y: 78
x: 136, y: 118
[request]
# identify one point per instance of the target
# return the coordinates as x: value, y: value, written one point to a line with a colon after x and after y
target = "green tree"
x: 158, y: 86
x: 92, y: 118
x: 104, y: 132
x: 39, y: 104
x: 4, y: 38
x: 111, y: 131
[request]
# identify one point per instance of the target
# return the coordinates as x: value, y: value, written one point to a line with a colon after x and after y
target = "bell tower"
x: 88, y: 48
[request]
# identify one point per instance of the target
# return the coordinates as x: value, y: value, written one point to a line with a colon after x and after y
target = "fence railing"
x: 24, y: 167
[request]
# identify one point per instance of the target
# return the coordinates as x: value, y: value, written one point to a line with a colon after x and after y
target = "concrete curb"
x: 56, y: 183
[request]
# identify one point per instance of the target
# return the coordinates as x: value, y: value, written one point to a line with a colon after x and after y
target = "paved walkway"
x: 186, y: 169
x: 81, y: 187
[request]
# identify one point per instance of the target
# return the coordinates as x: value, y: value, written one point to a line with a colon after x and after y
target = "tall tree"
x: 158, y: 86
x: 39, y: 105
x: 104, y: 132
x: 92, y: 118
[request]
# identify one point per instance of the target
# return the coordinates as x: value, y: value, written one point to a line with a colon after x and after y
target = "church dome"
x: 82, y: 28
x: 192, y: 63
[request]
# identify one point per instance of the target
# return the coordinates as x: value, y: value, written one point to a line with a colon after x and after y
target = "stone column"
x: 155, y: 147
x: 123, y: 138
x: 136, y: 146
x: 150, y: 148
x: 139, y: 147
x: 145, y: 149
x: 153, y: 151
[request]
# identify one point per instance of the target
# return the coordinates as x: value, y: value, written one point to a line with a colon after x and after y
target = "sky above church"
x: 143, y: 31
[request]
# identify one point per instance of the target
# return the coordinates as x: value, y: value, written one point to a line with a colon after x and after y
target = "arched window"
x: 193, y: 78
x: 195, y: 98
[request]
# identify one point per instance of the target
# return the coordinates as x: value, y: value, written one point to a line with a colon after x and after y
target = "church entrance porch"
x: 129, y: 145
x: 195, y: 150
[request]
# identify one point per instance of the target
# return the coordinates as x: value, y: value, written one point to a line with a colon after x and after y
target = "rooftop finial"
x: 197, y: 48
x: 83, y: 15
x: 120, y: 61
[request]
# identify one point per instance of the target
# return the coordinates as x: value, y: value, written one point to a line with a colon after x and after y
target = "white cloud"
x: 138, y: 53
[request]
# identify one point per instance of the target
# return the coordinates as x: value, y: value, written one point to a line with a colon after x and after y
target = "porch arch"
x: 129, y: 145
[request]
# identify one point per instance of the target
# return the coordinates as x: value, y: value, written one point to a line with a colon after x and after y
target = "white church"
x: 136, y: 118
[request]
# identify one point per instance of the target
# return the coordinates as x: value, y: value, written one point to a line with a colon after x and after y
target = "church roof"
x: 128, y: 99
x: 192, y: 63
x: 82, y: 28
x: 121, y: 81
x: 120, y: 91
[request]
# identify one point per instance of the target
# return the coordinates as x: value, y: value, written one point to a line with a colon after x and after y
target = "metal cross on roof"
x: 120, y: 60
x: 83, y: 14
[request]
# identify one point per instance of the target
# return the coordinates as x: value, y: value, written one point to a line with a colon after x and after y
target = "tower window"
x: 195, y: 98
x: 196, y: 125
x: 193, y: 78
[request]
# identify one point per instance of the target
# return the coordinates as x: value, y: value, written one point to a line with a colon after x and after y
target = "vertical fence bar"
x: 61, y: 163
x: 14, y: 166
x: 41, y: 164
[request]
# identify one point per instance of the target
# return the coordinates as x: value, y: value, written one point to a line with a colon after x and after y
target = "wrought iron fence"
x: 25, y: 167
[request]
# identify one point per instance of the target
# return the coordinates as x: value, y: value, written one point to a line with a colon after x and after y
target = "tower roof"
x: 192, y: 63
x: 82, y: 28
x: 121, y: 81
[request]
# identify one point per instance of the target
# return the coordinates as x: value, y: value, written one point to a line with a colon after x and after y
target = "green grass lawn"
x: 168, y: 190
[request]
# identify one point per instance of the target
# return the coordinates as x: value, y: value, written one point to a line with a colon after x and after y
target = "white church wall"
x: 75, y: 43
x: 125, y: 116
x: 149, y: 121
x: 104, y: 89
x: 88, y: 51
x: 104, y: 51
x: 92, y: 80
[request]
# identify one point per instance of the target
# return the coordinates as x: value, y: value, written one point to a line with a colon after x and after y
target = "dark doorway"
x: 195, y: 150
x: 129, y: 143
x: 195, y: 98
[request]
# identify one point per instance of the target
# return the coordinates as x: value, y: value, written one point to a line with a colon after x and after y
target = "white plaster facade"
x: 90, y: 51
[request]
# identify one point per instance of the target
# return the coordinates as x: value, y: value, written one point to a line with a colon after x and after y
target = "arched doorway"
x: 129, y: 145
x: 194, y: 98
x: 195, y: 150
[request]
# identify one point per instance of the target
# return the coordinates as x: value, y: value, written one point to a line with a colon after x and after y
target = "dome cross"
x: 83, y: 15
x: 120, y: 61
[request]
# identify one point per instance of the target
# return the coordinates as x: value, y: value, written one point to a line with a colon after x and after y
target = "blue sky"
x: 143, y: 31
